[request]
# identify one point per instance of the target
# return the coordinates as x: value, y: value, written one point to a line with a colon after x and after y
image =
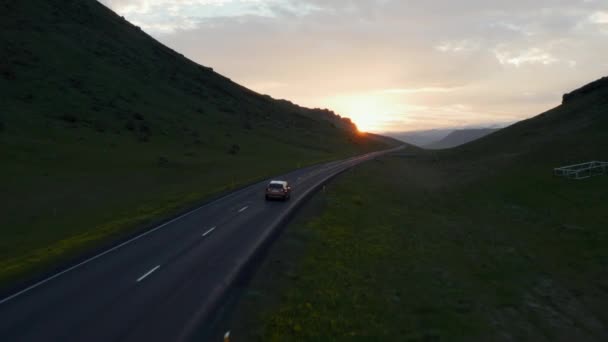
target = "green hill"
x: 103, y: 130
x: 573, y: 132
x: 476, y: 243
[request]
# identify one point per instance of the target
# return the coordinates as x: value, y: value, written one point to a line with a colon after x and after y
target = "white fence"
x: 582, y: 171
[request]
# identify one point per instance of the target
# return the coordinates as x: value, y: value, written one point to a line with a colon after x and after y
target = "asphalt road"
x: 160, y: 285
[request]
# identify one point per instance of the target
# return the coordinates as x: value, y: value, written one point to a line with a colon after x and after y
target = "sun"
x: 366, y: 112
x: 365, y: 123
x: 371, y: 112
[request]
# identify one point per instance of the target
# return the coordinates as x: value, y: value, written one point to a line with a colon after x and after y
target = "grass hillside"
x: 103, y: 130
x: 572, y: 132
x: 476, y: 243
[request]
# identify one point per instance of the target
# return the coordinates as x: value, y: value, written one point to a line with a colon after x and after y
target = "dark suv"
x: 278, y: 190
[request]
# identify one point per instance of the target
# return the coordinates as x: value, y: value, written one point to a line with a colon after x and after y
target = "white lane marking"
x: 209, y: 231
x: 148, y: 273
x: 243, y: 209
x: 42, y: 282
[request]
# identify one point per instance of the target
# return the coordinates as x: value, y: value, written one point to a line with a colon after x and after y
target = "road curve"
x: 159, y: 285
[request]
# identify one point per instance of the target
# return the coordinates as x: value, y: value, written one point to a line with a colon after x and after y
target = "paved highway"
x: 159, y: 286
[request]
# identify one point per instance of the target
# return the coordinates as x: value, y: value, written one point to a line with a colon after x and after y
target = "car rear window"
x: 275, y: 186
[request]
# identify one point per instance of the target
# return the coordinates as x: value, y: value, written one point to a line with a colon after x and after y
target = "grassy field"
x: 70, y: 188
x: 103, y: 131
x: 63, y: 198
x: 479, y: 243
x: 414, y: 248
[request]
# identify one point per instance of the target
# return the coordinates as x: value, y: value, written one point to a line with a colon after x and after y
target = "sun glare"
x: 364, y: 123
x: 367, y: 112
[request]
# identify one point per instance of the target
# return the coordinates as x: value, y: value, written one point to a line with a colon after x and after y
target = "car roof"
x: 278, y: 182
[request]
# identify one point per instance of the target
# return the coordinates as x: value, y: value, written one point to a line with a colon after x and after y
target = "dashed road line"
x: 209, y: 231
x: 148, y: 273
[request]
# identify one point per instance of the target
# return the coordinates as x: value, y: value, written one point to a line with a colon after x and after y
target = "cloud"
x: 405, y: 60
x: 529, y: 56
x: 418, y: 90
x: 599, y: 17
x: 169, y: 16
x: 128, y: 7
x: 461, y: 46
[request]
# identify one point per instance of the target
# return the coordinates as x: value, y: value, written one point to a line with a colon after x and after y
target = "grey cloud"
x: 507, y: 58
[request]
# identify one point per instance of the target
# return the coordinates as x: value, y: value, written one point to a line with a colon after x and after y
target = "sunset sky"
x: 392, y: 65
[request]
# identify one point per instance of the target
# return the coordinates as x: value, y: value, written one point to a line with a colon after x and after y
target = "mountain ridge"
x: 572, y: 132
x: 104, y: 130
x: 460, y: 137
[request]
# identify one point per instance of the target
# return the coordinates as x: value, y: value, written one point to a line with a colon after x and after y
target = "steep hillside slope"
x: 460, y: 137
x: 103, y: 130
x: 78, y: 63
x: 476, y: 243
x: 573, y: 132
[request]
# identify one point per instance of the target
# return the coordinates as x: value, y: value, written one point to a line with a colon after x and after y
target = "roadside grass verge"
x: 419, y: 249
x: 104, y: 131
x: 66, y: 196
x: 69, y: 187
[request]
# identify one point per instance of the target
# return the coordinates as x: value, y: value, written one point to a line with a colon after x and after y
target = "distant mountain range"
x: 461, y: 137
x: 442, y: 138
x: 421, y: 138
